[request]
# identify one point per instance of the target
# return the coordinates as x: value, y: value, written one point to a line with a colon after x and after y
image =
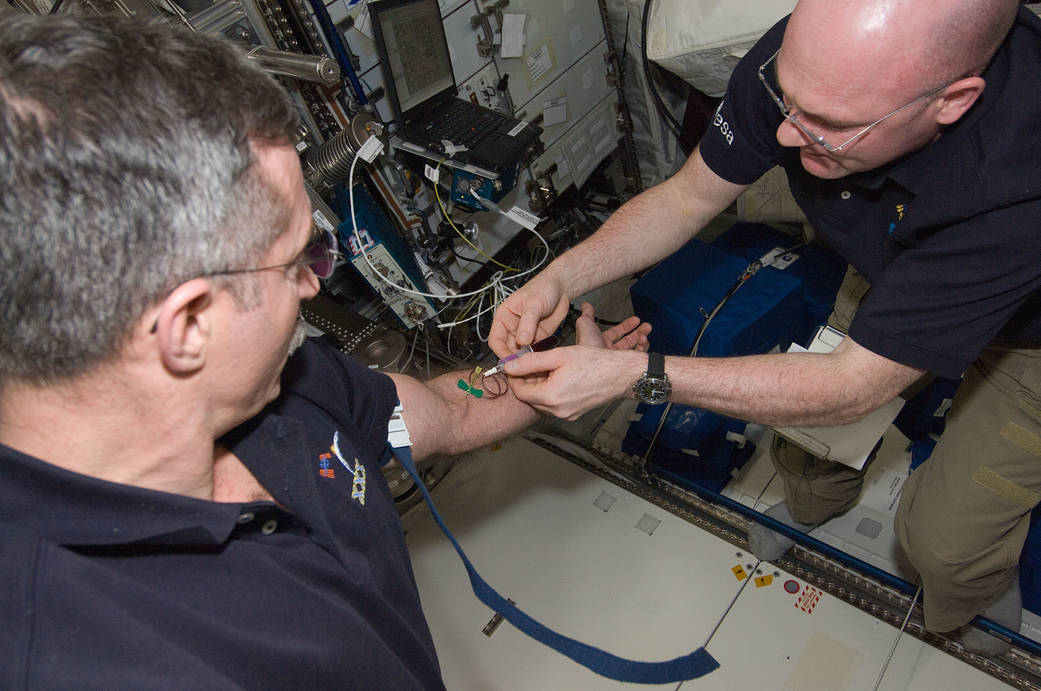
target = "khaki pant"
x: 964, y: 514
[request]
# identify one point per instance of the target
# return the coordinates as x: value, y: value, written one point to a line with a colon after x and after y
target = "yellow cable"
x: 466, y: 309
x: 459, y: 232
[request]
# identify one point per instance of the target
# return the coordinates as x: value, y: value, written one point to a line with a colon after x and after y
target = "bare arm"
x: 647, y: 228
x: 781, y: 389
x: 443, y: 419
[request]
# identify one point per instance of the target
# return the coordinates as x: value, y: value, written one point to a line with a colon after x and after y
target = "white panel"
x: 357, y: 42
x: 462, y: 44
x: 583, y: 85
x: 480, y: 88
x: 372, y: 80
x: 596, y: 132
x: 538, y: 529
x: 449, y: 5
x: 555, y: 155
x: 556, y: 36
x: 337, y: 10
x: 585, y: 147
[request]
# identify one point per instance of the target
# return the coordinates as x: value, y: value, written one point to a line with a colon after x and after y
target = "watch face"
x: 657, y: 391
x: 653, y: 390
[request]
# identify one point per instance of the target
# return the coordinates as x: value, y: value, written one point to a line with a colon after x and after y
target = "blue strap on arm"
x: 690, y: 666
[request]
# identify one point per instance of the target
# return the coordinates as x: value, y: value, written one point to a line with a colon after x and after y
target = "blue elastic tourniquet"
x: 690, y: 666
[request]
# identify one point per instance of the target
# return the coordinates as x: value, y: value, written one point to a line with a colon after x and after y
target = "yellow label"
x: 764, y: 580
x: 739, y: 571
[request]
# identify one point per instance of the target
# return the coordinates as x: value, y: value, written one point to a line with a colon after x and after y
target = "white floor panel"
x: 530, y: 523
x: 810, y: 641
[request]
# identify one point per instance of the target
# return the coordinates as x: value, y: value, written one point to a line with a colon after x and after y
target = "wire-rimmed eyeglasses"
x: 319, y: 256
x: 793, y: 117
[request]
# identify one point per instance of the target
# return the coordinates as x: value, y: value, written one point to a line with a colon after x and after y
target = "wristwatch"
x: 653, y: 387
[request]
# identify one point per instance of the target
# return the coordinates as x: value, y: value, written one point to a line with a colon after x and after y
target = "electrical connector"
x: 452, y: 149
x: 372, y: 148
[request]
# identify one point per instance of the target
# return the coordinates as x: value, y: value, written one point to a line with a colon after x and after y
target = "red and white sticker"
x: 809, y: 599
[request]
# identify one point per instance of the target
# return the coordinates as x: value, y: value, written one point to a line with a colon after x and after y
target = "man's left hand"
x: 567, y: 382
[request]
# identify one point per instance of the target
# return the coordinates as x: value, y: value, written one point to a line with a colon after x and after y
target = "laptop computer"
x: 420, y: 84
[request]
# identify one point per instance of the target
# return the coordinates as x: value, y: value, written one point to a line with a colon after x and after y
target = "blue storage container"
x: 819, y: 268
x: 677, y: 294
x: 770, y: 311
x: 692, y: 448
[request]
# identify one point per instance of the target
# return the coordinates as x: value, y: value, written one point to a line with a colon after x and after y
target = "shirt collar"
x: 79, y: 510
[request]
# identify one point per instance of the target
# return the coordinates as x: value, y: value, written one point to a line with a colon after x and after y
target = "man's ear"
x: 957, y: 98
x: 184, y: 326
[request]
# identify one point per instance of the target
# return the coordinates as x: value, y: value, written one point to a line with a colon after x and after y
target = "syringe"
x: 536, y: 347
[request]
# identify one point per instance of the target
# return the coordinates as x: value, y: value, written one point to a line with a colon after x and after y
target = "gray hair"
x: 126, y: 168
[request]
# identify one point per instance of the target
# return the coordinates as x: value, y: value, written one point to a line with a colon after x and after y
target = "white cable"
x: 415, y: 339
x: 448, y: 325
x: 357, y: 237
x: 896, y: 641
x: 477, y: 325
x: 495, y: 284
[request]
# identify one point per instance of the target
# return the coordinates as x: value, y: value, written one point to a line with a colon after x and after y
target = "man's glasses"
x: 793, y: 117
x: 319, y: 256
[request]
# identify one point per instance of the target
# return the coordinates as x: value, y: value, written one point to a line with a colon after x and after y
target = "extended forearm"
x: 819, y: 389
x: 476, y: 422
x: 443, y: 419
x: 646, y: 229
x: 643, y: 231
x: 778, y: 389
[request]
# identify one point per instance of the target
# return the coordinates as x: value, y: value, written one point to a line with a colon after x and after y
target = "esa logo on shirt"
x: 723, y: 125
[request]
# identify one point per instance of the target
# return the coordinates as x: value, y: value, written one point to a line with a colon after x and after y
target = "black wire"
x: 603, y: 322
x: 685, y: 141
x: 625, y: 48
x: 56, y: 6
x: 466, y: 259
x: 749, y: 271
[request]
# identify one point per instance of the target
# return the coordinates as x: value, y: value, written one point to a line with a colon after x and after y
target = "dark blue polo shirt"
x: 949, y: 237
x: 107, y: 586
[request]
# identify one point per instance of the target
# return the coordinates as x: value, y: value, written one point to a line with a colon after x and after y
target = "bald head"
x: 918, y: 44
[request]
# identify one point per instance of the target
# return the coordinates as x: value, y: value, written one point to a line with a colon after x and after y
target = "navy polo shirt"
x: 109, y: 586
x: 949, y: 237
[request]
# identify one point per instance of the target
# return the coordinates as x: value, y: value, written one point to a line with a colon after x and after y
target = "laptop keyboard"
x: 465, y: 126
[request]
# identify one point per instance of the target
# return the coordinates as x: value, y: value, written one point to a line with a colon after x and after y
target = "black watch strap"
x: 655, y: 365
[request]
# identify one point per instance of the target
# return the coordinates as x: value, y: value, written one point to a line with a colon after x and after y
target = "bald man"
x: 909, y: 131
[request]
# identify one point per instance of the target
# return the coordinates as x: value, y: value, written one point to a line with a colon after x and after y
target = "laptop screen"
x: 417, y: 59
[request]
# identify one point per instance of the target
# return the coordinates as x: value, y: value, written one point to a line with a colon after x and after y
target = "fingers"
x: 567, y: 382
x: 619, y: 331
x: 539, y: 316
x: 586, y: 330
x: 502, y: 336
x: 631, y: 334
x: 533, y: 363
